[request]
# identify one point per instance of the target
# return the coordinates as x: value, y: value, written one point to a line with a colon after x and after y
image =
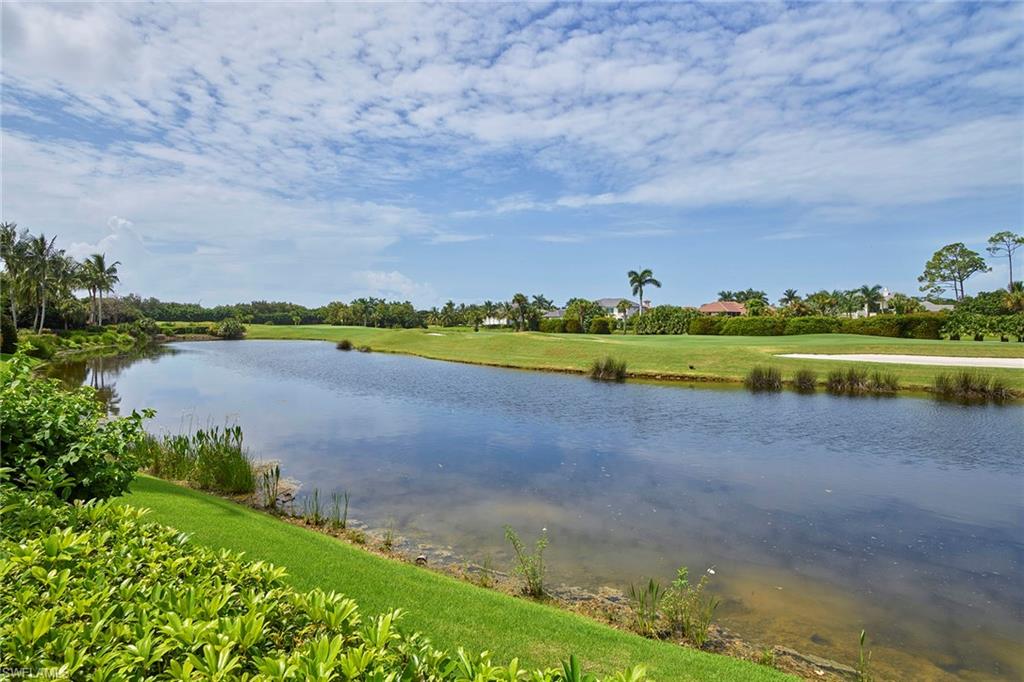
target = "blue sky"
x: 317, y: 152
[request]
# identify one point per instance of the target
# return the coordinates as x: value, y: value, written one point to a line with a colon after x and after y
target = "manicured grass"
x: 450, y: 612
x: 712, y: 357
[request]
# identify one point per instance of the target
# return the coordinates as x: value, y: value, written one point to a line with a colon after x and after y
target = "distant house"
x: 611, y: 307
x: 554, y: 314
x: 494, y: 321
x: 936, y: 307
x: 729, y: 308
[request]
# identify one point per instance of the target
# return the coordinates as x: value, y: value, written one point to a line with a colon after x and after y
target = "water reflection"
x: 822, y: 515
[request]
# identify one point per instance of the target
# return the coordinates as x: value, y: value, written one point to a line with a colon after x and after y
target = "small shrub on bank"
x: 608, y: 369
x: 344, y: 344
x: 805, y: 380
x: 688, y: 609
x: 529, y: 565
x: 761, y: 378
x: 706, y: 325
x: 64, y: 436
x: 229, y: 328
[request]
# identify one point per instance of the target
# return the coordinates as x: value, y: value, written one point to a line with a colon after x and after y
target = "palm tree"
x: 14, y: 253
x: 639, y: 280
x: 789, y: 296
x: 520, y: 303
x: 871, y: 298
x: 41, y: 254
x: 506, y: 311
x: 623, y: 307
x: 542, y: 302
x: 100, y: 277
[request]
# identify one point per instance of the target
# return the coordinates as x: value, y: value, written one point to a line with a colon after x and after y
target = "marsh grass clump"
x: 883, y: 382
x: 689, y: 609
x: 608, y: 369
x: 344, y: 344
x: 645, y: 602
x: 805, y: 381
x: 339, y: 510
x: 857, y: 381
x: 388, y: 543
x: 313, y: 509
x: 270, y: 486
x: 212, y: 459
x: 762, y: 378
x: 970, y: 386
x: 529, y: 565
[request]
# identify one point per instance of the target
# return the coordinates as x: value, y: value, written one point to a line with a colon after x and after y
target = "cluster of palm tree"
x: 38, y: 277
x: 521, y: 312
x: 868, y: 298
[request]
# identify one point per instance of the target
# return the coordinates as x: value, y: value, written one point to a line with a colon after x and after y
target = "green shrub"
x: 8, y: 336
x: 552, y: 325
x: 912, y: 326
x: 608, y: 369
x: 706, y: 325
x: 144, y: 327
x: 761, y: 378
x: 688, y: 609
x: 41, y: 346
x: 62, y: 438
x: 602, y: 325
x: 805, y: 380
x: 817, y: 324
x: 344, y: 344
x: 529, y: 565
x: 665, y: 319
x: 573, y: 326
x: 95, y: 592
x: 229, y: 329
x: 753, y: 326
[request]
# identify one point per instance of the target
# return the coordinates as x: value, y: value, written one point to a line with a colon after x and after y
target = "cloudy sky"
x: 314, y: 152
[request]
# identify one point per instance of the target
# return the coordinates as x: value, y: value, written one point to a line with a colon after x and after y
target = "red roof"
x: 724, y: 307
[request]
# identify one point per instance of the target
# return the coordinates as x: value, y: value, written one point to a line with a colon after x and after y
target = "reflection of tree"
x: 101, y: 371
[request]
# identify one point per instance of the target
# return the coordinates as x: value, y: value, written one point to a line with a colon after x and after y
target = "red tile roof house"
x: 730, y: 308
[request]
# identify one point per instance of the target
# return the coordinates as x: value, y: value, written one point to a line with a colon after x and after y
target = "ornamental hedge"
x: 816, y: 324
x: 665, y: 319
x: 912, y: 326
x: 754, y: 326
x: 706, y: 326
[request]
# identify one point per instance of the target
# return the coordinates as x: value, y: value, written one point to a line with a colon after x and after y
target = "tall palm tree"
x: 871, y: 298
x: 41, y: 255
x: 623, y: 307
x: 521, y: 303
x: 14, y: 253
x: 505, y: 311
x: 101, y: 278
x: 639, y: 280
x: 789, y: 296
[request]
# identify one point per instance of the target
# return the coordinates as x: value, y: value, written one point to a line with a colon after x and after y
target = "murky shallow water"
x: 820, y: 515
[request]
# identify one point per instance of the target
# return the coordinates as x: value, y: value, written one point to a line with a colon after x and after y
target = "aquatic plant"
x: 805, y: 380
x: 344, y: 344
x: 883, y: 382
x: 863, y: 661
x: 761, y: 378
x: 608, y: 369
x: 339, y: 510
x: 270, y: 486
x: 688, y: 609
x: 388, y: 543
x: 529, y: 565
x: 645, y: 603
x: 970, y: 386
x: 211, y: 459
x: 312, y: 509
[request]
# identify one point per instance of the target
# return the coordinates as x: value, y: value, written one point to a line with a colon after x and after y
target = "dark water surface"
x: 820, y: 515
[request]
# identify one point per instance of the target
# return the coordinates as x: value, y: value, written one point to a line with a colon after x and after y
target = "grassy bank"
x: 450, y: 612
x: 725, y: 358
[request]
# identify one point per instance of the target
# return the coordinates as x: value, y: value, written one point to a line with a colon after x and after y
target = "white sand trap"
x: 434, y: 334
x: 943, y: 360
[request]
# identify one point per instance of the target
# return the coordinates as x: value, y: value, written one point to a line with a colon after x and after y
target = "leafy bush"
x: 689, y: 611
x: 144, y: 327
x: 211, y: 459
x: 665, y: 319
x: 8, y: 336
x: 602, y: 325
x: 816, y: 324
x: 753, y: 326
x: 706, y: 325
x: 608, y: 369
x: 763, y: 379
x: 344, y: 344
x: 912, y: 326
x: 552, y: 325
x: 572, y: 326
x: 63, y: 437
x: 230, y: 328
x: 92, y: 591
x: 41, y: 346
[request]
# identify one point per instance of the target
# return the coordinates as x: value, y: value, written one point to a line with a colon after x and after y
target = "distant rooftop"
x: 724, y: 307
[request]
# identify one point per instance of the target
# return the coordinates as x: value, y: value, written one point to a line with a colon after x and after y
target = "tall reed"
x: 762, y: 378
x: 211, y: 459
x: 970, y: 386
x: 608, y: 369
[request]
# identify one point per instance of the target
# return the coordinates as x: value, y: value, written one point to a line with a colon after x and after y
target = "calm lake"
x: 820, y: 515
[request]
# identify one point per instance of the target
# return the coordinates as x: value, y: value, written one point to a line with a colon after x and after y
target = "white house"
x: 611, y: 307
x: 495, y: 321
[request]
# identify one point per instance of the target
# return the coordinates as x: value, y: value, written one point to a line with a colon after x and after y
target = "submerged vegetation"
x: 761, y: 378
x: 608, y: 369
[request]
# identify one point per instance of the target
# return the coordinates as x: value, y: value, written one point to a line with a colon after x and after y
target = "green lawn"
x: 712, y: 357
x: 450, y: 612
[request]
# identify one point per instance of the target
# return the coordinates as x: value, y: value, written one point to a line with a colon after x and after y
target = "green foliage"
x: 572, y: 326
x: 8, y: 336
x: 970, y: 386
x: 812, y: 324
x: 951, y: 266
x: 913, y: 326
x: 94, y: 592
x: 852, y: 381
x: 581, y: 311
x: 863, y: 660
x: 529, y: 565
x: 57, y: 438
x: 645, y: 603
x: 142, y: 328
x: 688, y: 609
x: 552, y: 325
x: 666, y: 319
x: 229, y: 328
x: 706, y: 325
x: 805, y: 380
x: 40, y: 346
x: 883, y: 382
x: 608, y: 369
x: 602, y: 325
x: 344, y: 344
x: 761, y: 378
x: 753, y: 326
x: 211, y: 459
